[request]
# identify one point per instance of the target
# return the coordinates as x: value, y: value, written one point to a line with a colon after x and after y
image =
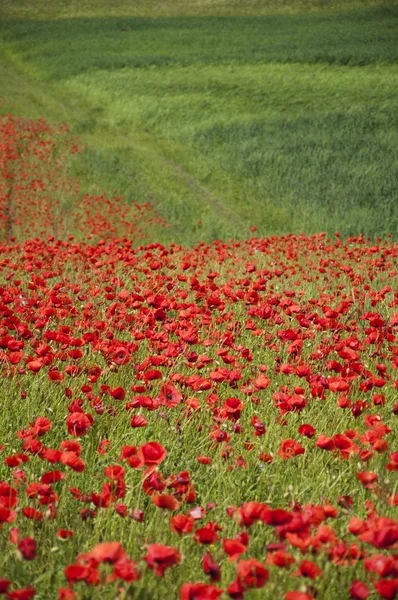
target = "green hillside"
x: 287, y: 120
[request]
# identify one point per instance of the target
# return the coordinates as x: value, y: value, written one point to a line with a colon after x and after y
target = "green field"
x: 202, y: 409
x: 263, y: 116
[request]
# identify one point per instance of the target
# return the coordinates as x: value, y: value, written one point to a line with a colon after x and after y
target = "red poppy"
x: 109, y: 552
x: 160, y: 557
x: 203, y: 460
x: 324, y: 442
x: 71, y: 460
x: 4, y: 585
x: 32, y: 513
x: 307, y: 430
x: 233, y: 548
x: 289, y: 448
x: 281, y: 559
x: 78, y: 423
x: 138, y: 421
x: 76, y: 572
x: 103, y: 447
x: 199, y: 591
x: 64, y: 534
x: 359, y: 590
x: 262, y: 382
x: 166, y: 501
x: 211, y: 568
x: 367, y: 478
x: 126, y: 569
x: 52, y: 477
x: 115, y: 472
x: 207, y: 534
x: 22, y: 594
x: 66, y: 594
x: 27, y: 547
x: 387, y: 588
x: 308, y: 569
x: 252, y: 573
x: 182, y: 524
x: 152, y: 453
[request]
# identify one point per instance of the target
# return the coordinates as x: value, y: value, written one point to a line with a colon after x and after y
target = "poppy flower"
x: 233, y: 548
x: 152, y: 453
x: 166, y: 501
x: 383, y: 536
x: 22, y: 593
x: 52, y: 477
x: 387, y: 588
x: 307, y: 430
x: 359, y: 590
x: 32, y: 513
x: 308, y: 569
x: 182, y: 524
x: 211, y: 568
x: 236, y: 590
x: 4, y: 585
x: 117, y: 393
x: 290, y: 448
x: 71, y: 460
x: 78, y: 423
x: 276, y: 516
x: 64, y: 534
x: 27, y: 547
x: 115, y: 472
x: 108, y: 552
x: 138, y: 421
x: 324, y: 442
x: 199, y: 591
x: 126, y: 569
x: 203, y: 460
x: 367, y: 478
x: 160, y: 557
x: 76, y: 572
x: 252, y: 573
x: 138, y: 515
x: 103, y: 447
x: 262, y: 382
x: 66, y: 594
x: 381, y: 564
x: 281, y: 559
x: 207, y: 534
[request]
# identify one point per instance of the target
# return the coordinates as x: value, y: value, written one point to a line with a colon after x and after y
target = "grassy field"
x: 206, y: 419
x: 287, y: 121
x: 44, y: 9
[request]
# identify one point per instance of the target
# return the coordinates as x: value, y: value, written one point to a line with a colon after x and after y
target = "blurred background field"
x: 282, y: 115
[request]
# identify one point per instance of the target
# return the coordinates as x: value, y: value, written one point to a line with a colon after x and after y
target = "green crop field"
x: 287, y: 120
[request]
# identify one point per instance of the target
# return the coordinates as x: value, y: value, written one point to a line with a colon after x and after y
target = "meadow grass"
x: 285, y: 121
x: 236, y: 114
x: 45, y: 9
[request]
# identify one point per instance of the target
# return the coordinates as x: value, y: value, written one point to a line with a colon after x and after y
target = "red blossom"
x: 199, y: 591
x: 27, y: 547
x: 160, y: 557
x: 252, y: 573
x: 289, y: 448
x: 359, y: 590
x: 152, y: 453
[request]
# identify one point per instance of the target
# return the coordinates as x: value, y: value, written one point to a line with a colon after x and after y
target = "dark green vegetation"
x: 285, y: 121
